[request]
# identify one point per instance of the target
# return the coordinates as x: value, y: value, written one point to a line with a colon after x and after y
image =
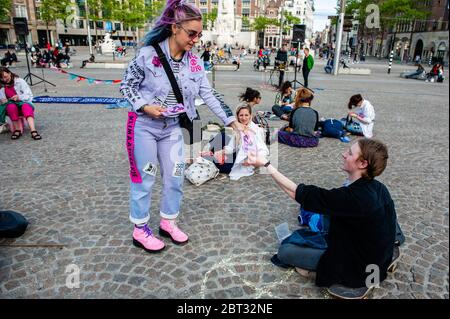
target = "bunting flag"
x: 79, y: 78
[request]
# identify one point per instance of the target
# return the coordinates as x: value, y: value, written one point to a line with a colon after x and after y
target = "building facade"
x: 73, y: 30
x: 304, y: 10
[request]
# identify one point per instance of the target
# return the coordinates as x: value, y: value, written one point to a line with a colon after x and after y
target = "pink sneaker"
x: 143, y: 238
x: 167, y: 228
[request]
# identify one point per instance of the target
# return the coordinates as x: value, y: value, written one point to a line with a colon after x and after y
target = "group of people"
x: 9, y: 58
x: 59, y: 57
x: 436, y: 73
x: 304, y: 128
x: 362, y: 214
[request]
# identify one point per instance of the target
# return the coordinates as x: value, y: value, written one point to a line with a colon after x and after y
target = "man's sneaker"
x: 342, y: 292
x: 167, y: 228
x: 395, y: 258
x: 143, y: 238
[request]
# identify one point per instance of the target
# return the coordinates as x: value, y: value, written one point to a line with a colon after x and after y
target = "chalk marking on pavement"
x: 228, y: 264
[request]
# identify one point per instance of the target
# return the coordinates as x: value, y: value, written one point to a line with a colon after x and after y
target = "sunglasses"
x: 191, y: 33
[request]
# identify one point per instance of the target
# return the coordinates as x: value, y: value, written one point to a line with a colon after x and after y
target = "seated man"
x: 362, y: 223
x: 416, y: 73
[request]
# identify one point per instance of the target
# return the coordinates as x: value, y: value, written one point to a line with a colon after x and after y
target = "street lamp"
x: 88, y: 27
x: 340, y: 27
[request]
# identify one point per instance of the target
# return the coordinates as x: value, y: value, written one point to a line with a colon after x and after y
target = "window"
x: 99, y: 24
x: 80, y: 24
x: 245, y: 3
x: 81, y: 8
x: 203, y: 3
x: 204, y: 11
x: 21, y: 12
x: 38, y: 13
x: 91, y: 24
x: 117, y: 26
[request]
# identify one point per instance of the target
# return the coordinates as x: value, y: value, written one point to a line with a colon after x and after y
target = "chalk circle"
x: 249, y: 261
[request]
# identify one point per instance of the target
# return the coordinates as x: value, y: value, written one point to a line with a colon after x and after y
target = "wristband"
x: 267, y: 164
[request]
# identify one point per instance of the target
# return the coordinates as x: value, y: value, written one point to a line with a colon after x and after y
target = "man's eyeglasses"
x: 191, y: 33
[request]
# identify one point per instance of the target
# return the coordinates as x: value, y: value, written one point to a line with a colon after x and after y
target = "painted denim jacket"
x: 145, y: 80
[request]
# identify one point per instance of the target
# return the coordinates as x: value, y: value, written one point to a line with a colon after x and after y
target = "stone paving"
x: 73, y: 188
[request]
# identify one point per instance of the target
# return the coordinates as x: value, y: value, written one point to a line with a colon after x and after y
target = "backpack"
x: 12, y: 224
x: 315, y: 221
x: 332, y: 128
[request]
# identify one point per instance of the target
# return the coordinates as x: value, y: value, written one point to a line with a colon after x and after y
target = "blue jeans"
x: 155, y: 141
x: 207, y: 65
x: 299, y: 256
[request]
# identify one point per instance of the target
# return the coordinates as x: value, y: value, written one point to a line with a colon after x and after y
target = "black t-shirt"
x: 206, y: 56
x: 362, y: 230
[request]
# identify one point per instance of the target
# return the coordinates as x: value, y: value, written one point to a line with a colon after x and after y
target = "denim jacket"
x: 145, y: 80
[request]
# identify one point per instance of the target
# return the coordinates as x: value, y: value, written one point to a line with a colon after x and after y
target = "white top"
x: 238, y: 169
x: 367, y: 113
x: 22, y: 90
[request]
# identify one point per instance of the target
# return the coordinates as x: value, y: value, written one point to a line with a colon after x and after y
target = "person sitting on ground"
x: 229, y: 152
x: 284, y: 101
x: 249, y: 97
x: 329, y: 67
x: 237, y: 62
x: 414, y: 75
x: 431, y: 76
x: 91, y: 60
x: 6, y: 59
x: 17, y: 96
x: 362, y: 229
x: 360, y: 120
x: 440, y: 77
x: 303, y: 122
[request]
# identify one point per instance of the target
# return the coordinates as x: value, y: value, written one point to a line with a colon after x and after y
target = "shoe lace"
x: 147, y: 231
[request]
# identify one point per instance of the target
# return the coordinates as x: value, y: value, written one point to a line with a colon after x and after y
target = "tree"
x: 52, y: 11
x: 261, y: 23
x: 288, y: 21
x: 209, y: 19
x: 5, y: 9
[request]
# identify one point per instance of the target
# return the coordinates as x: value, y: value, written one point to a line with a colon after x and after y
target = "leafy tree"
x: 261, y: 23
x: 288, y: 21
x: 5, y: 9
x: 52, y: 11
x: 209, y: 19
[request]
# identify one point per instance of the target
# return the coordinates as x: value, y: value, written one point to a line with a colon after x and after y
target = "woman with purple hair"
x: 154, y: 134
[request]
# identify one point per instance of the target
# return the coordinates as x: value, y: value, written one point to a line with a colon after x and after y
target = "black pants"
x: 280, y: 79
x: 305, y: 76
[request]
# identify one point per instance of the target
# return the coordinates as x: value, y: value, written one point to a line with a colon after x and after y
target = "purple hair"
x: 176, y: 11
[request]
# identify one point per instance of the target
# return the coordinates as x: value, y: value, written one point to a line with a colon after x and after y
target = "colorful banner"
x: 79, y: 78
x: 80, y: 100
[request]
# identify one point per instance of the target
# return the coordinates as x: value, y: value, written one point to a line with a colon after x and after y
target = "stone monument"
x: 108, y: 45
x: 225, y: 23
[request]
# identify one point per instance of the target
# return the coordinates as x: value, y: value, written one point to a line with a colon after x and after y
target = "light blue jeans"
x: 156, y: 141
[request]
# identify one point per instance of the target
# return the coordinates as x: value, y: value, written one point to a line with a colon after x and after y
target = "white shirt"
x: 240, y: 170
x: 367, y: 113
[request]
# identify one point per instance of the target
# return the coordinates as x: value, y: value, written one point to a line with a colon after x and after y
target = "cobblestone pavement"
x: 73, y: 187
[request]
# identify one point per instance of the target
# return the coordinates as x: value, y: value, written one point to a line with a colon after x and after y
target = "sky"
x: 324, y: 8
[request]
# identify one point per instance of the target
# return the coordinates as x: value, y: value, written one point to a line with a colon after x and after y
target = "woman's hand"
x: 219, y: 156
x: 352, y: 114
x: 237, y: 126
x: 254, y: 159
x: 14, y: 98
x: 154, y: 111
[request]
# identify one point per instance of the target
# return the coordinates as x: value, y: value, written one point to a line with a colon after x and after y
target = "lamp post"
x: 340, y: 27
x: 88, y: 27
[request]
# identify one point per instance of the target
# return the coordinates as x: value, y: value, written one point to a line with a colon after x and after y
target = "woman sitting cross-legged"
x: 230, y: 152
x: 360, y: 245
x: 284, y: 101
x: 303, y: 122
x: 16, y: 95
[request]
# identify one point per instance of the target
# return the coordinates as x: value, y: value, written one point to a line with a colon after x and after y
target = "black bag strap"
x: 169, y: 72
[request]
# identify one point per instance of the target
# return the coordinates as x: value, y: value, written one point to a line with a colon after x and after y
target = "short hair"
x: 376, y: 154
x: 354, y: 100
x: 303, y: 95
x: 306, y: 49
